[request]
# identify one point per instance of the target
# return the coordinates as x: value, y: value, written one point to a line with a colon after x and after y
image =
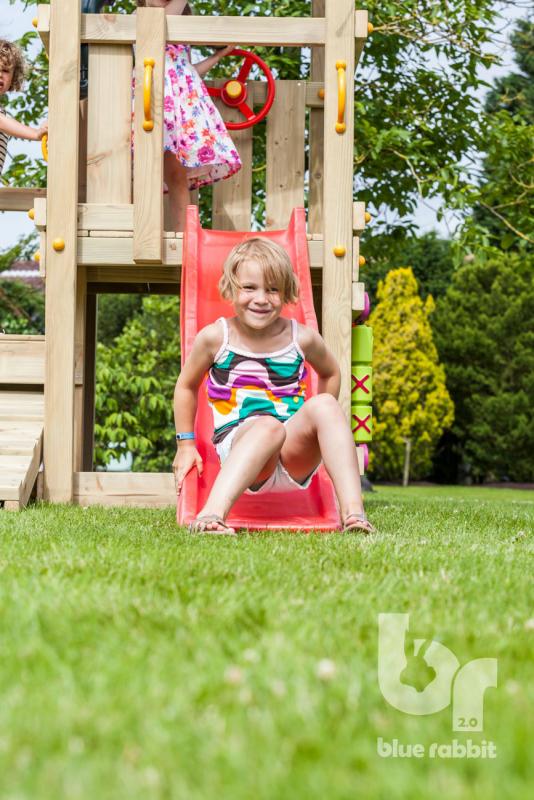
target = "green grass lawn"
x: 137, y: 661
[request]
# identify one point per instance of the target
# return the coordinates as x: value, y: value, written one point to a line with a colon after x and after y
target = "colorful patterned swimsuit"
x: 242, y: 384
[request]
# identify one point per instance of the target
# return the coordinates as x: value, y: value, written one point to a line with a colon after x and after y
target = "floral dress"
x: 193, y: 129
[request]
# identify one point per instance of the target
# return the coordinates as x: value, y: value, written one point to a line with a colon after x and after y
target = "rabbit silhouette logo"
x: 423, y: 682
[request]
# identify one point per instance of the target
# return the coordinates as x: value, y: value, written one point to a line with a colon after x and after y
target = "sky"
x: 14, y: 21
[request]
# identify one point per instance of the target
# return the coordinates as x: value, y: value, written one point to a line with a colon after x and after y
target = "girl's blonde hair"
x: 275, y: 266
x: 185, y: 13
x: 11, y: 57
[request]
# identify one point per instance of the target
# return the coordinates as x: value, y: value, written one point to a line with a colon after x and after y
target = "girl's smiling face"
x: 256, y: 304
x: 6, y: 76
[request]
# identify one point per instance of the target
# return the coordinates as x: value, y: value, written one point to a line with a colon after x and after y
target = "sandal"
x: 200, y: 525
x: 357, y: 522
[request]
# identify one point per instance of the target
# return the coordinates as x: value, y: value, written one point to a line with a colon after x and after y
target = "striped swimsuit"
x: 242, y: 384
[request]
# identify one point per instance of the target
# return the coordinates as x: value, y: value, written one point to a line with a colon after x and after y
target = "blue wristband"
x: 181, y: 436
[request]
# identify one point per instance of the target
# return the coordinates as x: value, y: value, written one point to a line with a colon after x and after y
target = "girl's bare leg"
x: 319, y: 430
x: 175, y: 176
x: 253, y: 457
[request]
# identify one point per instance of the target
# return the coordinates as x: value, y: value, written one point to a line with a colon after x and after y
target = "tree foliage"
x: 430, y: 258
x: 21, y: 307
x: 485, y: 337
x: 135, y: 382
x: 410, y: 399
x: 503, y: 205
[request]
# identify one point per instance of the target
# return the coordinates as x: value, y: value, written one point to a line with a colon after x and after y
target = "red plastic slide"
x: 203, y: 256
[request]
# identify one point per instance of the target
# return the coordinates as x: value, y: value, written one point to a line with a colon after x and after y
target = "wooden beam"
x: 113, y: 257
x: 61, y: 269
x: 148, y: 155
x: 241, y: 31
x: 22, y: 359
x: 315, y: 198
x: 134, y: 489
x: 12, y: 199
x: 338, y: 189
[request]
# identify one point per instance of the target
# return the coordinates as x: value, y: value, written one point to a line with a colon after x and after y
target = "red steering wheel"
x: 234, y: 91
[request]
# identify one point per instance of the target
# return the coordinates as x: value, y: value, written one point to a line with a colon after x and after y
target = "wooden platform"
x: 21, y: 441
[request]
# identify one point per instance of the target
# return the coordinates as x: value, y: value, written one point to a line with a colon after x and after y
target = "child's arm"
x: 204, y: 66
x: 197, y: 364
x: 321, y: 359
x: 14, y: 128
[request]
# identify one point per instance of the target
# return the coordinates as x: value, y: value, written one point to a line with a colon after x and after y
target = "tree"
x: 21, y: 307
x: 485, y: 337
x: 411, y: 404
x: 502, y: 215
x: 135, y: 382
x: 430, y: 258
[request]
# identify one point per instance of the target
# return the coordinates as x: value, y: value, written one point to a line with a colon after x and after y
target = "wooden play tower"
x: 102, y: 220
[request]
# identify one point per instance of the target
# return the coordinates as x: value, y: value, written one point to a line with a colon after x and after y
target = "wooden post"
x: 338, y: 189
x: 285, y: 153
x: 62, y: 200
x: 148, y: 144
x: 315, y: 201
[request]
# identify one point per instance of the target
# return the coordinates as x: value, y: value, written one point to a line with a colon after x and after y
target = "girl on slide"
x: 267, y: 435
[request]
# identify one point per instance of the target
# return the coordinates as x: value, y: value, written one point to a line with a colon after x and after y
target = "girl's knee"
x: 272, y: 428
x: 323, y: 403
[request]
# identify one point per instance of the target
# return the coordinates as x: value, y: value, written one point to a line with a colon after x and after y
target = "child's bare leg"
x: 175, y: 176
x: 319, y: 430
x: 253, y: 457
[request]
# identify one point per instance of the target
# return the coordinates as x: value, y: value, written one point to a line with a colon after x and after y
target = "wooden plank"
x: 358, y: 296
x: 42, y: 253
x: 315, y: 198
x: 105, y: 216
x: 39, y: 206
x: 112, y: 260
x: 63, y: 120
x: 93, y: 250
x: 79, y: 364
x: 257, y: 90
x: 148, y: 156
x: 361, y: 22
x: 355, y: 258
x: 338, y: 187
x: 12, y: 199
x: 232, y: 198
x: 89, y: 384
x: 135, y: 489
x: 241, y: 31
x: 358, y: 217
x: 285, y: 153
x: 43, y: 26
x: 32, y: 470
x: 22, y: 359
x: 109, y: 132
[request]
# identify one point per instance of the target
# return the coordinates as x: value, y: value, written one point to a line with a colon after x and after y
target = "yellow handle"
x: 44, y: 147
x: 341, y: 67
x: 148, y: 123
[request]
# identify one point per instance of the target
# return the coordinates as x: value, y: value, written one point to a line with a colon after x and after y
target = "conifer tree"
x: 411, y: 403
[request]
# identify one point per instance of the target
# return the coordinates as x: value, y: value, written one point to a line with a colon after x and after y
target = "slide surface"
x: 203, y: 256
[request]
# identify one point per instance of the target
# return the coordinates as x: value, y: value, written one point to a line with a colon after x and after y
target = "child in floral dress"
x: 198, y: 148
